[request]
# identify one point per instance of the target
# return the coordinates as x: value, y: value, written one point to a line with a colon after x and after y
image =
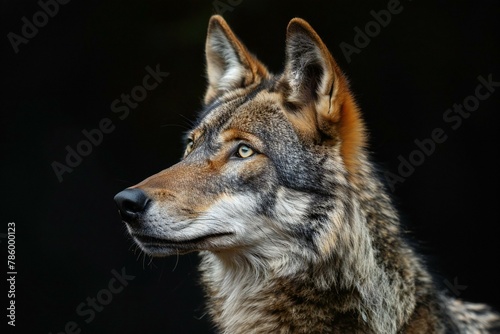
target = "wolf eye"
x: 244, y: 151
x: 189, y: 147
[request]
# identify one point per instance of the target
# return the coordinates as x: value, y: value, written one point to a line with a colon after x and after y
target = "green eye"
x: 189, y: 147
x: 244, y: 151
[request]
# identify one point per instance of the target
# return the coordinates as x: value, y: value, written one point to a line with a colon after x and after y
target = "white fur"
x: 225, y: 70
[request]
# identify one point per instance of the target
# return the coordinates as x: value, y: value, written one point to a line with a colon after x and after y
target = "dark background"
x: 69, y: 236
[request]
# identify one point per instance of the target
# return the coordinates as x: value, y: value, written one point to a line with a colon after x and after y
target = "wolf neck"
x: 352, y: 282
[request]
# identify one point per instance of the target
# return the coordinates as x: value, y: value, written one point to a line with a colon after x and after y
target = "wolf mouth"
x: 154, y: 241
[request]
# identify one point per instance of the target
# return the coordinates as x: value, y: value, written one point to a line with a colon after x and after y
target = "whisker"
x: 143, y: 260
x: 176, y: 125
x: 176, y: 261
x: 201, y: 316
x: 189, y: 121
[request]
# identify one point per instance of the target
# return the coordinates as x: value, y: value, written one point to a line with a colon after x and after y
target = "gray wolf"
x: 277, y: 193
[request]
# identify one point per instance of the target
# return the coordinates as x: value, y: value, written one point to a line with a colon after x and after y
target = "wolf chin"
x: 277, y: 193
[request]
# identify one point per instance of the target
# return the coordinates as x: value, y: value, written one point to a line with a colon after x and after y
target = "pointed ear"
x: 229, y: 64
x: 310, y: 72
x: 316, y: 88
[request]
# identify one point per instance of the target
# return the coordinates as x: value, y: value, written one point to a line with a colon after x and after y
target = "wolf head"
x: 269, y: 166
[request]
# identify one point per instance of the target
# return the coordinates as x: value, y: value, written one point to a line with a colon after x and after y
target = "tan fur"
x: 353, y: 134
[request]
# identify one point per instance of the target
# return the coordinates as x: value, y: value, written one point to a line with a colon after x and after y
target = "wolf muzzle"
x: 131, y: 204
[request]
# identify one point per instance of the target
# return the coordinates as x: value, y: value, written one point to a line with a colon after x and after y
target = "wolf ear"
x: 316, y: 88
x: 229, y: 64
x: 310, y: 71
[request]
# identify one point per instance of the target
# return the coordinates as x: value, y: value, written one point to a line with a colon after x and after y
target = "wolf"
x: 277, y: 192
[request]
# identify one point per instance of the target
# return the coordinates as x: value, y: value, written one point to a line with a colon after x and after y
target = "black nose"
x: 131, y: 202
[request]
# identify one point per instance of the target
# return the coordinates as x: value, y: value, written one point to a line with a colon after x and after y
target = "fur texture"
x: 277, y: 193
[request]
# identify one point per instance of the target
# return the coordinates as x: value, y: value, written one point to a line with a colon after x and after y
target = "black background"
x: 69, y: 236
